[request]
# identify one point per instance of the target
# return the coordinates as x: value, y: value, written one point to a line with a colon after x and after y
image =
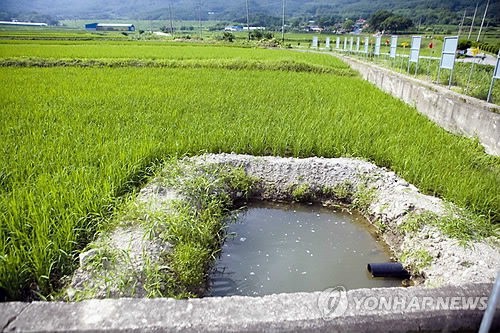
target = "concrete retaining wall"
x: 417, y: 309
x: 456, y: 113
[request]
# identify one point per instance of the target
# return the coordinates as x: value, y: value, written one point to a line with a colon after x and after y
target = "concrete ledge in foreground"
x: 361, y: 310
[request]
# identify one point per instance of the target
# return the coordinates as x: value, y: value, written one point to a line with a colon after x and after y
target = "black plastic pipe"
x: 388, y: 269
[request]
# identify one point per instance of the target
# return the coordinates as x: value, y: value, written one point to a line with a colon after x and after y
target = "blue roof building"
x: 109, y: 27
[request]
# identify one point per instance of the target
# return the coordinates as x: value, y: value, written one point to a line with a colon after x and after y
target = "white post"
x: 248, y: 20
x: 461, y: 23
x: 493, y: 301
x: 283, y: 24
x: 472, y: 23
x: 496, y: 75
x: 482, y: 22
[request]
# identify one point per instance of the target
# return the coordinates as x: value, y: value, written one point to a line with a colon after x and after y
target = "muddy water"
x: 275, y: 248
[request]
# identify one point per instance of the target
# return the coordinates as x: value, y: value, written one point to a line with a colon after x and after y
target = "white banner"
x: 345, y: 43
x: 357, y: 44
x: 496, y: 73
x: 327, y: 43
x: 367, y: 42
x: 416, y: 41
x: 377, y: 45
x: 315, y: 42
x: 337, y: 46
x: 448, y: 56
x: 447, y: 61
x: 394, y: 46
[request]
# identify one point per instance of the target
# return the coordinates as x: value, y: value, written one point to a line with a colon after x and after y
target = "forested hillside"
x: 423, y: 11
x: 262, y: 12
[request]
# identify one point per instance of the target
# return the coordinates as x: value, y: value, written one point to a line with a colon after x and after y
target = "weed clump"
x: 455, y: 223
x: 197, y: 228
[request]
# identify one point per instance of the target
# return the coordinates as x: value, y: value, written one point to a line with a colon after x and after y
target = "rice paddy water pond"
x: 275, y: 248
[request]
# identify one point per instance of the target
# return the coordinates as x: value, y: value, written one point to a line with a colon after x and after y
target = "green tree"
x: 375, y: 21
x: 395, y: 23
x: 348, y: 24
x: 227, y: 36
x: 256, y: 35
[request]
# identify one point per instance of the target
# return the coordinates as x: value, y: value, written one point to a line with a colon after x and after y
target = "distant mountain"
x: 425, y: 11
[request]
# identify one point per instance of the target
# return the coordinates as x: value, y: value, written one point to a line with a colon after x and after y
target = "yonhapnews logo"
x: 334, y: 302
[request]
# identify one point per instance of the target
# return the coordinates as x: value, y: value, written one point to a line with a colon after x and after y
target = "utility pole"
x: 171, y: 18
x: 283, y: 24
x: 199, y: 19
x: 472, y: 23
x: 248, y: 20
x: 461, y: 23
x: 482, y: 22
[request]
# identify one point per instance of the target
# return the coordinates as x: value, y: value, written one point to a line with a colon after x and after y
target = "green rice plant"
x: 76, y: 141
x: 94, y: 51
x: 234, y: 64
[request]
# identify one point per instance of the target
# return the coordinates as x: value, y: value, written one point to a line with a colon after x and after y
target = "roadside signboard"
x: 448, y: 54
x: 394, y: 46
x: 314, y: 42
x: 496, y: 75
x: 378, y: 40
x: 416, y: 41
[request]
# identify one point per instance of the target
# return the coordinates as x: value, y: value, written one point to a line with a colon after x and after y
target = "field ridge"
x: 233, y: 64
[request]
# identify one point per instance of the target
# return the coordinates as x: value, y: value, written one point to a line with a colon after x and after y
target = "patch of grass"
x: 301, y: 192
x: 341, y: 192
x: 455, y: 223
x: 363, y: 197
x: 106, y: 276
x: 196, y: 225
x: 416, y: 260
x: 189, y: 263
x: 381, y: 226
x: 157, y: 278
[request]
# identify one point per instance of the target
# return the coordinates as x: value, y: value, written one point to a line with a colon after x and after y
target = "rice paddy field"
x: 84, y: 123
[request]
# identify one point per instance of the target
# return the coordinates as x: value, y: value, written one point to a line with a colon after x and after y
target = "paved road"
x: 488, y: 60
